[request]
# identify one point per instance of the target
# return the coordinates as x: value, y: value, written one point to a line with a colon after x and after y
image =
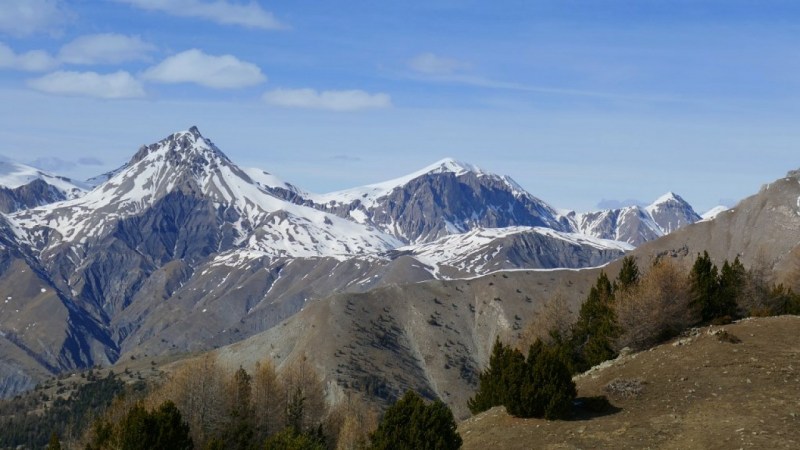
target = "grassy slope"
x: 703, y: 392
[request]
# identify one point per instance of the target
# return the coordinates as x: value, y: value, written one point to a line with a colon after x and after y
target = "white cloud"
x: 107, y: 48
x: 431, y: 64
x: 351, y: 100
x: 32, y: 61
x: 194, y: 66
x: 250, y: 15
x: 89, y: 84
x: 25, y: 17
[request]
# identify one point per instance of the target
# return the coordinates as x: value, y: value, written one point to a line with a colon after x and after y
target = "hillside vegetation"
x: 732, y: 386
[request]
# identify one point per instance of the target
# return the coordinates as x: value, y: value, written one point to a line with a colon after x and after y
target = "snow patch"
x: 715, y: 211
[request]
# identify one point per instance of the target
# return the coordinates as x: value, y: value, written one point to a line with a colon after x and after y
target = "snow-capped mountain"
x: 185, y: 166
x: 636, y: 225
x: 485, y: 250
x: 445, y: 198
x: 23, y: 187
x: 180, y: 242
x: 671, y: 212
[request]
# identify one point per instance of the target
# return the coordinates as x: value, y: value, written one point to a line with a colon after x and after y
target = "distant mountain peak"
x: 184, y: 146
x: 23, y: 187
x: 450, y: 165
x: 667, y: 198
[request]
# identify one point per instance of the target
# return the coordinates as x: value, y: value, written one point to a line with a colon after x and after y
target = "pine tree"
x: 732, y: 281
x: 594, y: 333
x: 139, y: 429
x: 410, y: 424
x: 628, y: 274
x: 544, y: 387
x: 539, y: 386
x: 494, y: 382
x: 136, y: 431
x: 704, y: 285
x: 172, y: 432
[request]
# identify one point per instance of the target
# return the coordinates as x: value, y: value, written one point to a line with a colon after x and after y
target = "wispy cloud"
x: 115, y: 85
x: 106, y: 48
x: 431, y: 64
x: 250, y: 15
x: 478, y: 81
x: 194, y: 66
x: 32, y: 61
x: 22, y: 18
x: 349, y: 100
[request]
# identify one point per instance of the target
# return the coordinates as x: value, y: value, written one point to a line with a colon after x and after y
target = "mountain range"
x: 181, y: 250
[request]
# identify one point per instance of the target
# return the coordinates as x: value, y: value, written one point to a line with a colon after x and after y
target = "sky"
x: 604, y: 103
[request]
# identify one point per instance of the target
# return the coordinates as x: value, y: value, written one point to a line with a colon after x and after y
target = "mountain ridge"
x: 180, y: 250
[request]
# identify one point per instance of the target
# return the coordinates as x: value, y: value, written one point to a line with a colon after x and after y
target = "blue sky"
x: 577, y: 101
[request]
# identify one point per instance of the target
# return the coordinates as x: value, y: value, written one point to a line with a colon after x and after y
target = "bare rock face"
x: 437, y: 205
x: 634, y: 224
x: 445, y: 198
x: 671, y: 212
x: 36, y: 193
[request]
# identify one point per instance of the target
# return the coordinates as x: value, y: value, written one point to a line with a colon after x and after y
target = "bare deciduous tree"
x: 198, y: 390
x: 268, y: 400
x: 554, y: 317
x: 656, y: 309
x: 303, y: 394
x: 350, y: 422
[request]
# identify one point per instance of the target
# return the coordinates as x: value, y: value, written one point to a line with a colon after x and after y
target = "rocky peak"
x: 182, y: 148
x: 671, y: 212
x: 669, y: 198
x: 450, y: 165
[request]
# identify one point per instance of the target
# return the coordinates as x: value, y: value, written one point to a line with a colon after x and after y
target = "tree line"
x: 201, y: 406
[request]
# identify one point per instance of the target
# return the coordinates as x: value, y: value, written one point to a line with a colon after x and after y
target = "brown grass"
x: 702, y: 394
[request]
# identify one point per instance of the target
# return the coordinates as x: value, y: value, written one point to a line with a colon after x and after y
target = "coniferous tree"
x: 136, y: 431
x: 410, y: 424
x: 539, y: 386
x: 139, y: 429
x: 704, y: 285
x: 494, y: 382
x: 544, y: 386
x: 628, y: 274
x: 732, y: 280
x: 594, y: 333
x: 172, y: 432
